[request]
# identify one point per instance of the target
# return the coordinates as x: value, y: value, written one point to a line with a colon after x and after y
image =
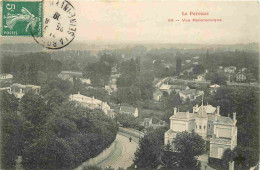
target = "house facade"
x: 19, y: 90
x: 129, y: 110
x: 240, y: 77
x: 219, y: 131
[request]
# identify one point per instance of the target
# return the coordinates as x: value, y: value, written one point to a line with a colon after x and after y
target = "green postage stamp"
x: 22, y: 18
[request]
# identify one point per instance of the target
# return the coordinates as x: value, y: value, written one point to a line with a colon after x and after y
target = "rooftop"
x: 188, y: 91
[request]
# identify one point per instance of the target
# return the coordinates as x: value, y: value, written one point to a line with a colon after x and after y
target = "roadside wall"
x: 95, y: 161
x: 134, y: 134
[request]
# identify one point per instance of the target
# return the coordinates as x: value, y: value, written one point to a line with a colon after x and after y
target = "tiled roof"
x: 225, y: 120
x: 127, y: 109
x: 182, y: 115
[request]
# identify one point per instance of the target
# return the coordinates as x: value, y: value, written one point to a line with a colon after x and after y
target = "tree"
x: 150, y: 151
x: 188, y: 146
x: 178, y: 65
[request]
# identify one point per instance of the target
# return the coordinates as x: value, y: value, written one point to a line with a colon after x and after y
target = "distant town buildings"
x: 219, y: 131
x: 196, y: 57
x: 92, y: 103
x: 129, y: 110
x: 69, y: 75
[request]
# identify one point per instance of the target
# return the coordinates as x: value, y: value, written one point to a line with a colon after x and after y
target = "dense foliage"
x: 52, y: 135
x: 151, y: 151
x: 31, y: 68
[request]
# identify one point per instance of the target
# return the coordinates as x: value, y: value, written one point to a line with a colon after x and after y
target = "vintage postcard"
x: 129, y: 85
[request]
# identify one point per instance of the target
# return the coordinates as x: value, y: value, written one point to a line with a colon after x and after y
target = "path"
x: 123, y: 155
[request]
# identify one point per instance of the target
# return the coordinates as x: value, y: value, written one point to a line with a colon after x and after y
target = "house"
x: 18, y: 90
x: 191, y: 94
x: 196, y: 57
x: 69, y: 75
x: 240, y: 77
x: 230, y: 69
x: 178, y: 88
x: 200, y: 78
x: 148, y: 122
x: 129, y: 110
x: 214, y: 88
x: 220, y: 67
x: 6, y: 76
x: 166, y: 88
x: 90, y: 102
x: 195, y: 63
x: 244, y: 69
x: 85, y: 81
x: 114, y: 69
x: 157, y: 95
x: 218, y: 131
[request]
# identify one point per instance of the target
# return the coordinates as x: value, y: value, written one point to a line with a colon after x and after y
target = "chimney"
x: 218, y: 110
x: 235, y: 116
x: 193, y: 109
x: 175, y: 111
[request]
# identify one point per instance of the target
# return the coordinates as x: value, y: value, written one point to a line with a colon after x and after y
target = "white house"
x: 90, y: 102
x: 219, y: 131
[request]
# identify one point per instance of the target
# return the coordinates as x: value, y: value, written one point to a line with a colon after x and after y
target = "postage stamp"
x: 22, y: 18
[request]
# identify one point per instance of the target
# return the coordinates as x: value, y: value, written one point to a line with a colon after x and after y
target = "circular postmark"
x: 59, y: 24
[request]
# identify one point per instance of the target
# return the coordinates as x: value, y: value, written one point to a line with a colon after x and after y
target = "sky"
x: 147, y: 21
x: 140, y: 21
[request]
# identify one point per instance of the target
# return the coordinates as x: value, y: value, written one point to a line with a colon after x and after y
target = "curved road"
x: 123, y: 155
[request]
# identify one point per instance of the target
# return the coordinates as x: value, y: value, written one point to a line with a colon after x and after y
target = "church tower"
x: 201, y: 121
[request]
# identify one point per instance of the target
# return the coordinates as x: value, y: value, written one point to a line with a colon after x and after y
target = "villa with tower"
x: 219, y: 131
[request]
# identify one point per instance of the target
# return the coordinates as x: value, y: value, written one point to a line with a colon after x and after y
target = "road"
x: 123, y: 154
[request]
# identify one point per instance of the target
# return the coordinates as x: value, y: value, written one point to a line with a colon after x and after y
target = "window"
x: 204, y: 127
x: 209, y: 125
x: 200, y: 126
